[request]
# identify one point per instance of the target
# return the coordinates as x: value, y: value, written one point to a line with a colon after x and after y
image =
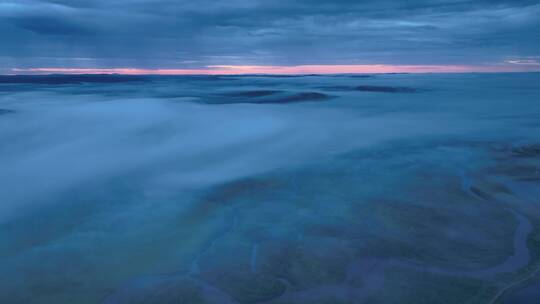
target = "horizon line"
x: 284, y: 70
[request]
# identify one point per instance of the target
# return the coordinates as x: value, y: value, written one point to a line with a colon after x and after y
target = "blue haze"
x: 264, y: 189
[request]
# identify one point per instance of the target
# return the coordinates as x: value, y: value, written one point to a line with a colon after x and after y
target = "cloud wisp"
x: 294, y: 70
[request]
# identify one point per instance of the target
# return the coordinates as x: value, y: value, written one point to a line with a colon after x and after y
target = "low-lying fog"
x: 104, y: 182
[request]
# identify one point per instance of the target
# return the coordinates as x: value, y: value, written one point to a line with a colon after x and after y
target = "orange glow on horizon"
x: 288, y: 70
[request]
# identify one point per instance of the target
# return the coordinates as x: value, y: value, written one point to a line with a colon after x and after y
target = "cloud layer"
x: 166, y: 34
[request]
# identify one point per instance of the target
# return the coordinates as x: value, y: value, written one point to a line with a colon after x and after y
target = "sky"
x: 268, y: 36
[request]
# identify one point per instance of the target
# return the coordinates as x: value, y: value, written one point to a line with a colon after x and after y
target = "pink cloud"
x: 300, y: 69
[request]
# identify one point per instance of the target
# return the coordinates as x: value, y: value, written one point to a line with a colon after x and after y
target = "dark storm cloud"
x: 178, y: 34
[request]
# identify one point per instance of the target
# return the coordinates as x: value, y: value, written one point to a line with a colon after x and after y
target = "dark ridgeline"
x: 69, y: 79
x: 6, y: 111
x: 385, y: 89
x: 371, y: 88
x: 267, y: 97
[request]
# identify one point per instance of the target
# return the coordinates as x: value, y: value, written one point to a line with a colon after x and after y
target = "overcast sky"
x: 182, y: 34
